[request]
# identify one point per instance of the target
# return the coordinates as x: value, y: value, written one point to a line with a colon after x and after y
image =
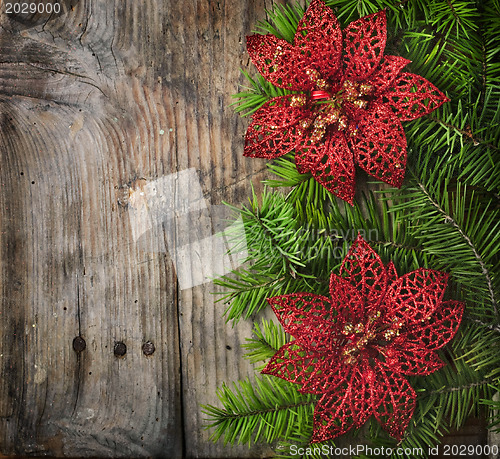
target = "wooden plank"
x: 211, y: 349
x: 79, y: 127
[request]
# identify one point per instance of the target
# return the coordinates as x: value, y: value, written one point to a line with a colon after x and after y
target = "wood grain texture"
x: 95, y: 105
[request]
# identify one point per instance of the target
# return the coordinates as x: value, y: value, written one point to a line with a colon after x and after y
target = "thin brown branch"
x: 464, y: 132
x: 466, y: 238
x: 467, y: 133
x: 455, y: 15
x: 484, y: 382
x: 495, y: 328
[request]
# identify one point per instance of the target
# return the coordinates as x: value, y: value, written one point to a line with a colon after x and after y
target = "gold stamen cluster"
x: 351, y: 351
x: 315, y: 77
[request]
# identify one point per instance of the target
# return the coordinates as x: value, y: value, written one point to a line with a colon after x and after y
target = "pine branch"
x: 273, y: 243
x: 446, y: 217
x: 467, y: 133
x: 495, y: 328
x: 282, y: 21
x: 269, y: 338
x: 269, y: 408
x: 455, y: 15
x: 481, y: 383
x: 257, y: 94
x: 289, y: 261
x: 395, y: 245
x: 479, y: 349
x: 452, y: 392
x: 257, y: 412
x: 450, y: 220
x: 484, y: 75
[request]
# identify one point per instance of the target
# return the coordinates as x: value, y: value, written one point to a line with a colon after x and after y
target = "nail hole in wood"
x: 120, y: 349
x: 79, y: 344
x: 148, y: 348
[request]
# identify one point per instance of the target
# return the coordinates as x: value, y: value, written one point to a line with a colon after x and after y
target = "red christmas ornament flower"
x: 351, y: 103
x: 355, y: 348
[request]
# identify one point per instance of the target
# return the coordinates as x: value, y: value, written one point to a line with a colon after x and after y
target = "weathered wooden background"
x: 97, y: 104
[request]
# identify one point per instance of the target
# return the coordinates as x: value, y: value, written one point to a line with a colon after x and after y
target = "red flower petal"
x: 307, y: 156
x: 412, y: 363
x: 327, y: 376
x: 438, y: 330
x: 294, y: 363
x: 380, y: 146
x: 333, y: 167
x: 303, y: 162
x: 273, y: 131
x: 346, y: 300
x: 303, y: 314
x: 279, y: 62
x: 315, y: 371
x: 320, y: 38
x: 386, y: 72
x: 280, y: 367
x: 396, y: 402
x: 392, y: 274
x: 364, y: 44
x: 412, y: 96
x: 349, y: 406
x: 416, y: 296
x: 359, y: 368
x: 364, y: 269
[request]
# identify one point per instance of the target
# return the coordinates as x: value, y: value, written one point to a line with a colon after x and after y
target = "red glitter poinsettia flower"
x: 356, y: 347
x: 351, y: 102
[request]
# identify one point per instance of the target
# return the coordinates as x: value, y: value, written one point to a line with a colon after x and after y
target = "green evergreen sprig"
x: 269, y: 338
x: 267, y: 408
x: 293, y: 247
x: 459, y: 226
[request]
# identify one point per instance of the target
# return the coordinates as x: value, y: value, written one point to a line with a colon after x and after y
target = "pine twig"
x: 275, y: 243
x: 459, y: 388
x: 455, y: 15
x: 467, y: 133
x: 495, y: 328
x: 484, y: 269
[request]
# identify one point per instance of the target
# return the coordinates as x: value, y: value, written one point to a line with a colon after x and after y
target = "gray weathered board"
x: 99, y: 105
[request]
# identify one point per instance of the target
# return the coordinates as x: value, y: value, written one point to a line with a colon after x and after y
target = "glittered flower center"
x: 332, y: 107
x: 365, y: 339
